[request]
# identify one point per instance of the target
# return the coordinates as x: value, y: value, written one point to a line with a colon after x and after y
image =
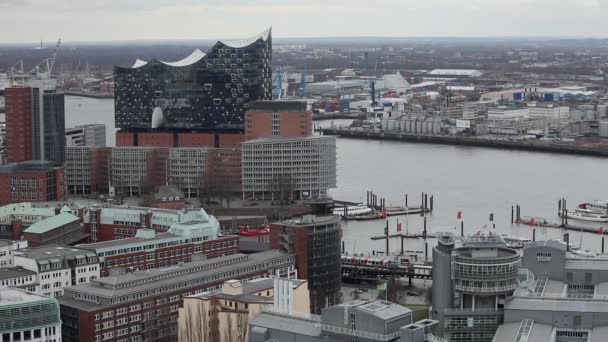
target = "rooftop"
x: 294, y: 324
x: 287, y: 139
x: 25, y: 208
x: 29, y: 166
x: 168, y: 193
x: 51, y: 223
x: 14, y: 272
x: 11, y: 296
x: 456, y: 72
x: 52, y: 251
x: 379, y: 308
x: 290, y: 106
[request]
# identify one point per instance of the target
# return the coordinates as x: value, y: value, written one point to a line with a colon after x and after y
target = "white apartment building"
x: 7, y: 248
x: 57, y: 267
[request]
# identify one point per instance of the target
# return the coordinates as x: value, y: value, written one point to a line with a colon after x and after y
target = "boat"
x: 586, y: 215
x: 515, y: 242
x: 584, y: 253
x: 246, y: 231
x: 353, y: 210
x: 596, y: 205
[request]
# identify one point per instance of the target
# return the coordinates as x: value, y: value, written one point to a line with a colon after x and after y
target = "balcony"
x: 486, y: 290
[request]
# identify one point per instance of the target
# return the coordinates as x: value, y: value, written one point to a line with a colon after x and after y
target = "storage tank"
x: 402, y: 125
x: 384, y: 124
x: 419, y: 126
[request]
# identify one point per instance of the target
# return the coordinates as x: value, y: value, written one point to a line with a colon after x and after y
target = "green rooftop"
x: 51, y: 223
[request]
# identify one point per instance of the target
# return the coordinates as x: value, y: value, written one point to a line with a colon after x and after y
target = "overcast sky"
x: 103, y: 20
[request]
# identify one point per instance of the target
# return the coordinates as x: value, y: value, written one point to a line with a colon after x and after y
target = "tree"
x: 282, y: 185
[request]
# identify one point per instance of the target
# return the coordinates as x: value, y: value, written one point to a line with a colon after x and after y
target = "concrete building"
x: 19, y: 277
x: 568, y: 300
x: 148, y: 249
x: 7, y: 249
x: 358, y: 320
x: 26, y: 316
x: 542, y: 110
x: 472, y: 277
x: 289, y: 168
x: 86, y: 135
x: 144, y: 305
x: 35, y: 122
x: 508, y: 113
x: 316, y: 242
x: 277, y: 119
x: 223, y: 315
x: 31, y: 181
x: 58, y: 267
x: 86, y: 169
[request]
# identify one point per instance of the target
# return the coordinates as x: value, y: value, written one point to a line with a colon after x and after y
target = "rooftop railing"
x: 359, y: 333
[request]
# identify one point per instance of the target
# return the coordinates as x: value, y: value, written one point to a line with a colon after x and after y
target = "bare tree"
x: 282, y: 185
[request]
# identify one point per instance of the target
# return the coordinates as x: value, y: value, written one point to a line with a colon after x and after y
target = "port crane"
x: 44, y: 69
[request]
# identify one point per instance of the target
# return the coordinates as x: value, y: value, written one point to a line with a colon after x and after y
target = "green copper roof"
x: 51, y: 223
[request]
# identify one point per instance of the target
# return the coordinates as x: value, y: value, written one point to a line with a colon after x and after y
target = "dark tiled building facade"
x: 201, y: 92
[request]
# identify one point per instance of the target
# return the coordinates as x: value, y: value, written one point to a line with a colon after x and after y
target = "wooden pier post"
x: 566, y: 214
x: 345, y: 218
x: 567, y: 240
x: 342, y: 246
x: 512, y: 214
x: 367, y: 203
x: 426, y: 251
x: 424, y: 231
x: 402, y: 244
x: 387, y: 237
x: 431, y: 203
x: 406, y: 201
x: 559, y: 207
x: 461, y: 228
x: 533, y: 234
x: 602, y: 245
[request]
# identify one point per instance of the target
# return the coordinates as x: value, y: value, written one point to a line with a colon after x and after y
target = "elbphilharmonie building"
x: 206, y: 92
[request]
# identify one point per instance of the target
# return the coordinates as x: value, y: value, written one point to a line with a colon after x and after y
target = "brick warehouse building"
x: 316, y: 243
x: 144, y: 305
x: 31, y: 181
x: 149, y: 249
x: 286, y: 119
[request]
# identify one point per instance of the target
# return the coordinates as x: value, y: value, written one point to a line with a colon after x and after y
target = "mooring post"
x: 559, y: 207
x: 367, y: 203
x: 462, y: 228
x: 426, y: 251
x: 426, y: 202
x: 342, y: 246
x: 431, y: 203
x: 406, y: 201
x: 533, y: 234
x: 424, y: 231
x: 387, y: 238
x: 402, y: 238
x: 602, y: 245
x: 567, y: 240
x: 512, y: 214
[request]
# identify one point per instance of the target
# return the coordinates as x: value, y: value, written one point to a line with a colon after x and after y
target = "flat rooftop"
x: 51, y: 251
x: 309, y: 220
x: 12, y: 296
x: 14, y: 272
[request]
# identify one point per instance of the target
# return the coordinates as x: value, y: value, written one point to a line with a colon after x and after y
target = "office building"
x: 149, y: 249
x: 31, y: 181
x: 223, y: 315
x: 566, y: 301
x: 26, y: 316
x: 35, y: 122
x: 277, y: 119
x: 144, y: 305
x: 87, y: 169
x: 7, y: 247
x: 289, y: 168
x: 358, y: 320
x: 19, y: 277
x: 316, y: 243
x: 114, y: 222
x: 472, y: 277
x: 58, y: 267
x: 86, y: 135
x: 62, y: 229
x: 201, y: 92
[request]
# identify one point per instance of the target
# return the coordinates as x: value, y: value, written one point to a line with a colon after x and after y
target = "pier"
x: 527, y: 145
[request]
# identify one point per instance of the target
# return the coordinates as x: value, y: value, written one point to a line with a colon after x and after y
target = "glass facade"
x: 54, y: 127
x: 207, y: 93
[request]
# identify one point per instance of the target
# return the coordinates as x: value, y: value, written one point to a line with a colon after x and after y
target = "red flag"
x: 601, y: 231
x: 532, y: 222
x: 398, y: 227
x: 459, y: 216
x: 384, y: 213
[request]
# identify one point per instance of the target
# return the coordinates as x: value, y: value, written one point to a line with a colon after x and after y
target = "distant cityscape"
x: 212, y: 217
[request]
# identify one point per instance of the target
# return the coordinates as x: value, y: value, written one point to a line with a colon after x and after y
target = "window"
x: 543, y: 256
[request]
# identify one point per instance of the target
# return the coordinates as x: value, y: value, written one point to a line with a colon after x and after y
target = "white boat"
x: 600, y: 206
x: 584, y: 253
x: 353, y: 210
x: 586, y: 215
x: 515, y: 242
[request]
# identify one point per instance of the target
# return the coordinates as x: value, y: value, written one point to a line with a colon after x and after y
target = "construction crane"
x: 44, y: 69
x: 15, y: 70
x: 372, y: 81
x: 303, y: 81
